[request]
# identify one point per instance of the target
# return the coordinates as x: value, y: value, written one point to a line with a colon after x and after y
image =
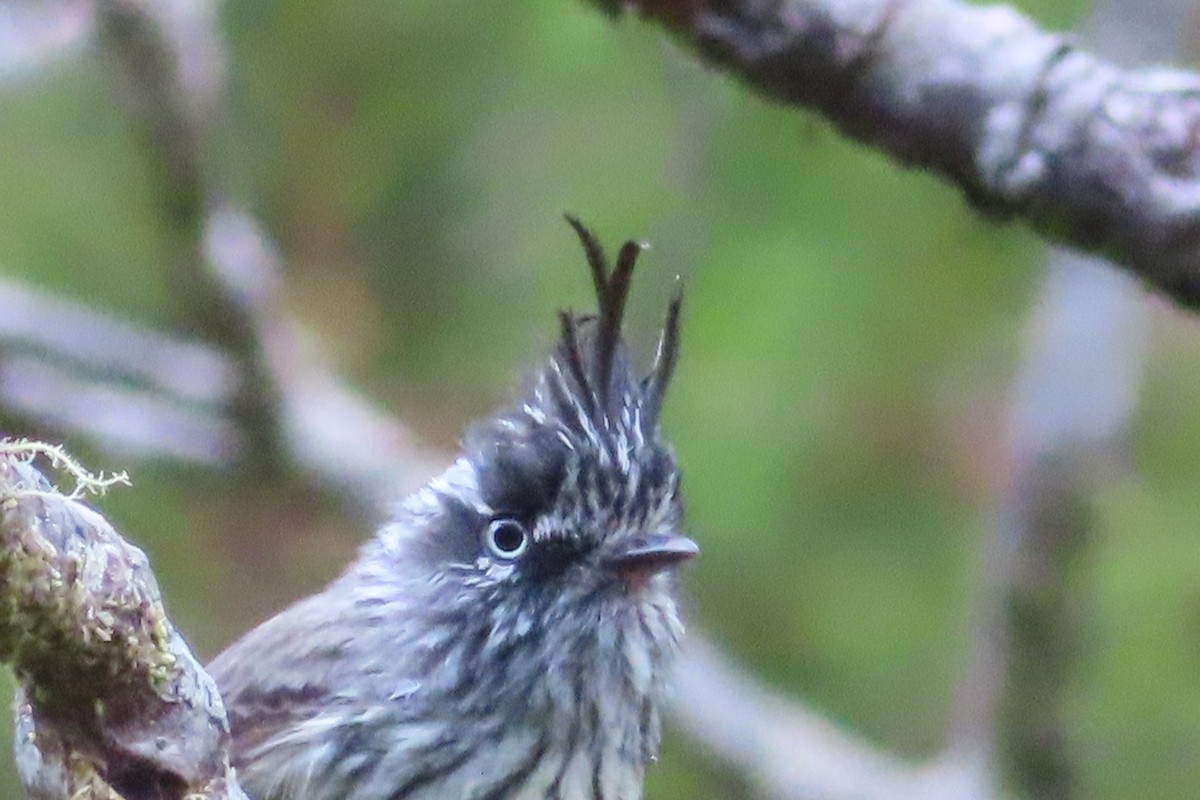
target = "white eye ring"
x: 506, y: 539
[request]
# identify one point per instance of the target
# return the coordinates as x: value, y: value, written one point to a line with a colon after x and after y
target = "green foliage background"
x: 851, y: 332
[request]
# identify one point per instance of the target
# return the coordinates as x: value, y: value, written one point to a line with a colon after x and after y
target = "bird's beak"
x: 648, y: 554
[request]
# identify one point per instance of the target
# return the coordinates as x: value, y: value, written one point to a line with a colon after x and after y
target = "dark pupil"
x: 508, y: 537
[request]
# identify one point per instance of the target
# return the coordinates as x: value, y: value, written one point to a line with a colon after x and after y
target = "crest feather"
x: 594, y: 357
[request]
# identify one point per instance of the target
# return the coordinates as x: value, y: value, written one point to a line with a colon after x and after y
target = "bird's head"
x: 577, y: 484
x: 549, y: 546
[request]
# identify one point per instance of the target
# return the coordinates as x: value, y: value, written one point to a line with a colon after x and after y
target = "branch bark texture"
x: 1025, y: 122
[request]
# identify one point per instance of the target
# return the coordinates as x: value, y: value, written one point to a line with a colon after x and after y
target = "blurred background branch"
x: 1073, y: 405
x: 34, y: 36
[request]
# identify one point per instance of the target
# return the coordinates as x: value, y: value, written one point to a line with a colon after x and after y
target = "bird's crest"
x: 598, y: 384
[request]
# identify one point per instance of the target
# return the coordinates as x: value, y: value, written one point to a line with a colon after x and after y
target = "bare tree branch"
x: 122, y: 420
x: 170, y: 61
x: 100, y: 343
x: 171, y: 56
x: 1076, y: 394
x: 113, y: 700
x: 74, y: 376
x: 1026, y: 123
x: 327, y: 429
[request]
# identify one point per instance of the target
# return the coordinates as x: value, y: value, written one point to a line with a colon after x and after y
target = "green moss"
x: 78, y: 608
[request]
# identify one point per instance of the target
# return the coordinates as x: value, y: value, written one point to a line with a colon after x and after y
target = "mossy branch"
x: 113, y: 704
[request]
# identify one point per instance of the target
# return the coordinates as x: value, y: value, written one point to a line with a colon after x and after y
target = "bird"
x: 509, y: 633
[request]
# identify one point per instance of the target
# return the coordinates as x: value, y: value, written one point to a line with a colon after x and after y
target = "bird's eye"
x: 506, y: 539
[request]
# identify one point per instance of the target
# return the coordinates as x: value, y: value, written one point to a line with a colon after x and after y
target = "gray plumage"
x: 509, y: 635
